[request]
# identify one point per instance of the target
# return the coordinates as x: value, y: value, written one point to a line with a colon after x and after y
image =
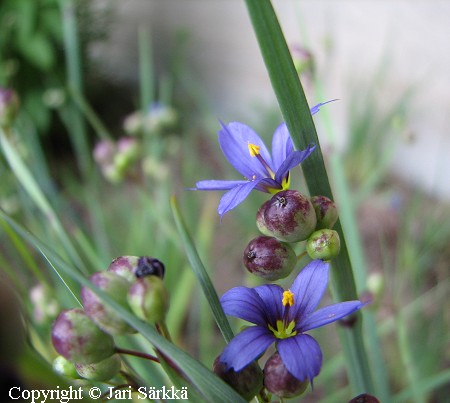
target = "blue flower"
x: 283, y: 317
x: 248, y: 154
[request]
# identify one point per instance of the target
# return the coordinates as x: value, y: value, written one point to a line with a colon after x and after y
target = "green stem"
x: 295, y: 110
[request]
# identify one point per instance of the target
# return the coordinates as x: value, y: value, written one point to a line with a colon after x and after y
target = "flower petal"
x: 316, y: 108
x: 234, y: 139
x: 245, y: 303
x: 329, y: 314
x: 294, y: 158
x: 271, y: 296
x: 246, y: 347
x: 281, y: 145
x: 235, y: 196
x: 217, y: 184
x: 308, y: 289
x: 301, y: 355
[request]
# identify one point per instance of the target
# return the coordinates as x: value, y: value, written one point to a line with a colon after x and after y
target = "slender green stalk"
x: 146, y: 78
x: 295, y: 110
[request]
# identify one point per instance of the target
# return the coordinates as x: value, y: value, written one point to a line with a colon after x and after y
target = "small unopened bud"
x: 64, y: 367
x: 279, y: 381
x: 77, y: 338
x: 364, y: 398
x: 269, y: 258
x: 9, y: 106
x: 247, y: 382
x: 149, y: 299
x: 100, y: 371
x: 326, y: 211
x: 323, y: 244
x: 102, y: 314
x: 45, y: 305
x: 125, y: 266
x: 128, y: 150
x: 290, y: 216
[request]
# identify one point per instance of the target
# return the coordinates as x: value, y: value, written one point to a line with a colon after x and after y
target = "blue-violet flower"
x: 246, y: 151
x: 283, y: 317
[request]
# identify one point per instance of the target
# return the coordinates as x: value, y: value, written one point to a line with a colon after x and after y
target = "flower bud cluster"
x: 84, y: 338
x: 287, y: 218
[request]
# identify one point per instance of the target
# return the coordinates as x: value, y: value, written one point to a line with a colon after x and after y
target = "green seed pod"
x: 269, y: 258
x: 149, y: 299
x: 247, y: 382
x: 323, y: 244
x: 100, y: 371
x: 78, y: 339
x: 64, y: 367
x: 125, y: 266
x: 290, y: 216
x: 260, y: 221
x: 326, y: 211
x: 102, y: 314
x: 279, y: 381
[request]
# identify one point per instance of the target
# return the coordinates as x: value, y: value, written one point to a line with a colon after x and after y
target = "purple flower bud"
x: 279, y: 381
x: 364, y: 398
x: 77, y: 338
x: 290, y: 216
x: 125, y: 266
x: 148, y: 298
x: 100, y: 371
x: 102, y: 314
x: 269, y: 258
x: 260, y: 221
x: 247, y: 382
x: 326, y: 211
x: 323, y: 244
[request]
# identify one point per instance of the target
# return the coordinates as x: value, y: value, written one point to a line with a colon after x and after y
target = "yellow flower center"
x: 288, y: 298
x: 253, y: 149
x: 282, y: 331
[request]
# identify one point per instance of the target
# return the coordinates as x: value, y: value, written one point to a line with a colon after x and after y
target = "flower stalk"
x: 295, y: 110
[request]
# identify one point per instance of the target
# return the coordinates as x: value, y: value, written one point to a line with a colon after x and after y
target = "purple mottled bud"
x: 100, y: 371
x: 64, y: 367
x: 148, y: 298
x: 290, y: 216
x: 77, y: 338
x: 269, y: 258
x: 279, y: 381
x: 102, y: 314
x: 323, y: 244
x: 326, y: 211
x: 149, y: 266
x: 125, y: 266
x: 364, y: 398
x: 247, y: 382
x: 9, y: 106
x: 128, y: 150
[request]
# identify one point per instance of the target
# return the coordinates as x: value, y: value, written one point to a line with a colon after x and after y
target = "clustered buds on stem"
x: 84, y: 337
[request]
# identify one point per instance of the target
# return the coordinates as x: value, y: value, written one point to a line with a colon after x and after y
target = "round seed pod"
x: 323, y: 244
x: 149, y: 266
x: 279, y: 381
x: 247, y: 382
x: 100, y: 371
x: 260, y: 221
x: 326, y: 211
x: 101, y: 313
x: 64, y: 367
x: 269, y: 258
x: 125, y: 266
x: 78, y: 339
x: 149, y: 299
x: 289, y: 216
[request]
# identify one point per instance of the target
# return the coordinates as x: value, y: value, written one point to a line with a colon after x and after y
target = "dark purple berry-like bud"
x: 100, y: 371
x: 125, y: 266
x: 148, y: 298
x: 260, y: 221
x: 364, y: 398
x: 326, y: 211
x: 102, y: 314
x: 247, y: 382
x: 279, y: 381
x: 290, y: 216
x: 78, y: 339
x: 148, y: 266
x: 269, y: 258
x: 323, y: 244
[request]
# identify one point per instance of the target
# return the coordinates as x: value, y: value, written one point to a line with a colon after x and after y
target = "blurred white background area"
x: 398, y: 45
